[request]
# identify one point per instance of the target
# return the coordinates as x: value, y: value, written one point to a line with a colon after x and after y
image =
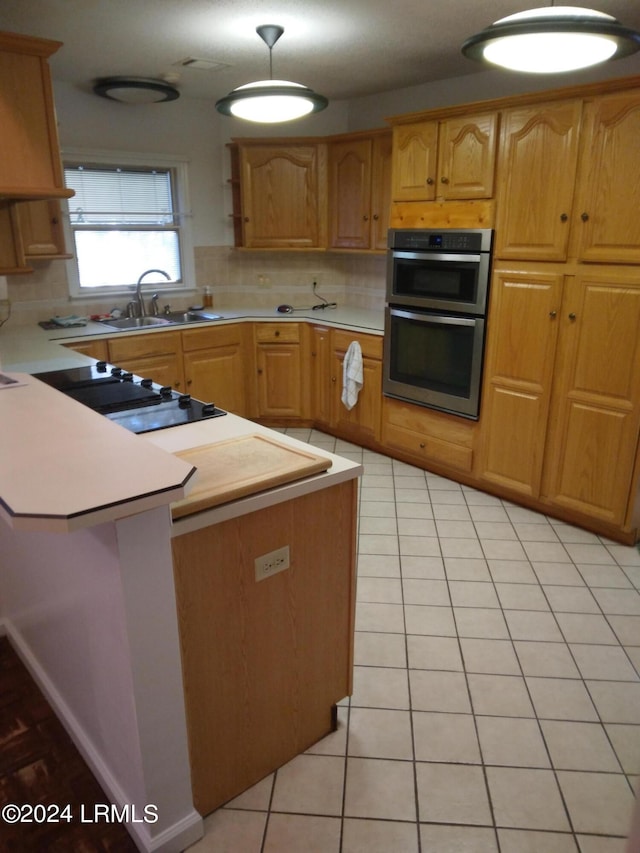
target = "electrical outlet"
x: 272, y: 563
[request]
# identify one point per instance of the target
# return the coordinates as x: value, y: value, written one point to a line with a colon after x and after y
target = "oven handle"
x: 434, y: 318
x: 436, y: 256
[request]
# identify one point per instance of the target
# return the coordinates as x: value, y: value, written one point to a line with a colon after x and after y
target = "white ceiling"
x: 341, y: 48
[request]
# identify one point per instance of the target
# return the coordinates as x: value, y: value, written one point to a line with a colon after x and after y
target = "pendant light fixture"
x: 136, y: 90
x: 551, y: 40
x: 271, y: 101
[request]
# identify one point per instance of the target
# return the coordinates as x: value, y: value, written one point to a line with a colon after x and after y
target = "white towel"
x: 352, y: 375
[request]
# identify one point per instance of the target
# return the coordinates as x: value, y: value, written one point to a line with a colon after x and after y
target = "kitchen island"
x: 88, y: 591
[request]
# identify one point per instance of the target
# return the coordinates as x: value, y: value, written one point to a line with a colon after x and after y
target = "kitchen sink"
x: 181, y: 317
x: 174, y: 318
x: 135, y: 322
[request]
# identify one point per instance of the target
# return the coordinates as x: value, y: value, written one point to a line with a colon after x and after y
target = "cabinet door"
x: 321, y: 390
x: 280, y: 196
x: 595, y: 416
x: 350, y: 194
x: 216, y: 375
x: 279, y: 380
x: 94, y: 349
x: 363, y: 421
x: 380, y: 190
x: 41, y: 229
x: 414, y: 161
x: 163, y: 369
x: 606, y: 215
x: 537, y: 168
x: 521, y: 344
x: 467, y: 156
x: 30, y: 162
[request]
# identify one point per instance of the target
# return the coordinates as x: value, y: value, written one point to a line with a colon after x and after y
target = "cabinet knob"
x: 563, y: 217
x: 54, y: 220
x: 553, y: 314
x: 572, y: 316
x: 444, y: 180
x: 246, y: 219
x: 277, y: 333
x: 259, y: 370
x: 429, y: 181
x: 365, y: 218
x: 189, y: 381
x: 584, y: 217
x: 333, y: 378
x: 376, y: 217
x: 422, y: 445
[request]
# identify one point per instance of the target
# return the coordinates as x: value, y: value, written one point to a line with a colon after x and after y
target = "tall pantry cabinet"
x: 561, y: 399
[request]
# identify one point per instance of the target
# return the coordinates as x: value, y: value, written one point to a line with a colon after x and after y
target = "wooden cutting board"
x: 231, y: 469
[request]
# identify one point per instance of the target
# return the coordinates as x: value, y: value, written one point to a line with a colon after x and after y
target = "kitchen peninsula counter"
x: 87, y: 585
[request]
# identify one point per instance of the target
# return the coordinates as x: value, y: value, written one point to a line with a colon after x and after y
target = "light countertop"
x: 64, y: 467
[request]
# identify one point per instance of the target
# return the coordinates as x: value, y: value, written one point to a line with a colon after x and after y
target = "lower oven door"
x: 434, y: 360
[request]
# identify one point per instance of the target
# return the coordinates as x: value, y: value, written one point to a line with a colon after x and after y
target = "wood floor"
x: 39, y: 765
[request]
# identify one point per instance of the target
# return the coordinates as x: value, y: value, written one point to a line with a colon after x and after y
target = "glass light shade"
x: 271, y: 101
x: 552, y: 39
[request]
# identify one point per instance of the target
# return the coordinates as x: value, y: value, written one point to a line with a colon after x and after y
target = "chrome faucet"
x: 139, y: 300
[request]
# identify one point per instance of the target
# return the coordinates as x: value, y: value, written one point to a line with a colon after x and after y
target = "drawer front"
x: 283, y: 333
x: 428, y: 448
x: 155, y: 343
x: 371, y: 345
x: 211, y: 336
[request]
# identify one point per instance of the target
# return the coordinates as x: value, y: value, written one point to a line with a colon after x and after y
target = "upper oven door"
x: 441, y: 281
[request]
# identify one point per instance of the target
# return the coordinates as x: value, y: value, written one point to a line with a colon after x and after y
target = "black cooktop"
x: 139, y: 405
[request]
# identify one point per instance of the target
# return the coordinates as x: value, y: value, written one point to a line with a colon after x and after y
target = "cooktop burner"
x: 139, y: 405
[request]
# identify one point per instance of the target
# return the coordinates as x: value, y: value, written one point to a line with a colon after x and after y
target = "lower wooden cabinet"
x: 94, y: 349
x: 362, y: 422
x: 264, y: 663
x: 278, y: 370
x: 157, y: 356
x: 594, y: 422
x: 430, y: 437
x: 214, y: 366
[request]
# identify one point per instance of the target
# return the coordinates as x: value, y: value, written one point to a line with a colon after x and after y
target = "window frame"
x: 180, y: 183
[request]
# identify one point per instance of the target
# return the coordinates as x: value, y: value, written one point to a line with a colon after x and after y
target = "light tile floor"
x: 496, y: 704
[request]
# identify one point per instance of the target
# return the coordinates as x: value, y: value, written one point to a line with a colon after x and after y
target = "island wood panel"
x: 264, y: 662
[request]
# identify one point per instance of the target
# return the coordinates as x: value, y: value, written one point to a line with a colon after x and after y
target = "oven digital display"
x: 435, y: 241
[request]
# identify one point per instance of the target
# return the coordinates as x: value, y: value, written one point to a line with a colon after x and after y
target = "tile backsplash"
x: 236, y: 277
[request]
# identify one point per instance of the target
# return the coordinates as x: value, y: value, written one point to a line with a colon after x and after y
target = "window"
x: 126, y: 217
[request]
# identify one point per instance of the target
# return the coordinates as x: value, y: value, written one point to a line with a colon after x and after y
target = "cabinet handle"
x: 553, y: 314
x: 572, y: 316
x: 422, y: 445
x: 259, y: 370
x: 444, y: 180
x: 563, y: 217
x: 429, y: 181
x: 584, y: 217
x: 333, y: 378
x: 246, y: 219
x: 277, y: 334
x: 376, y: 217
x: 365, y: 218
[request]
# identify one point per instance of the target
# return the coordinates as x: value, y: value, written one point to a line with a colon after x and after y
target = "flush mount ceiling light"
x: 271, y: 101
x: 135, y: 90
x: 553, y: 39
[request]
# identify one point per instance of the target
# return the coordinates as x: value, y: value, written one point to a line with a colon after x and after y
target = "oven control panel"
x: 445, y: 240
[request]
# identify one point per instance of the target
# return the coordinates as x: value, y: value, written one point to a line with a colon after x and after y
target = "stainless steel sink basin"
x: 135, y: 322
x: 181, y: 317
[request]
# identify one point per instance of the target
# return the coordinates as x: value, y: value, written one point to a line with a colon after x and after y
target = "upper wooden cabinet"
x: 360, y: 192
x: 40, y: 224
x: 282, y: 195
x: 450, y: 160
x: 30, y: 164
x: 536, y: 178
x: 606, y: 220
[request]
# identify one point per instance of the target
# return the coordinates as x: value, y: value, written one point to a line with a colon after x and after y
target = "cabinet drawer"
x: 428, y: 435
x: 284, y: 333
x: 156, y: 343
x: 371, y: 345
x: 218, y: 336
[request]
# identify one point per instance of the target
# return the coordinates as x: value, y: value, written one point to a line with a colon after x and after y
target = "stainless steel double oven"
x: 437, y: 292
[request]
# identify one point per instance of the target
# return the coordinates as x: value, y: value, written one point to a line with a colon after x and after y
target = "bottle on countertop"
x: 207, y: 298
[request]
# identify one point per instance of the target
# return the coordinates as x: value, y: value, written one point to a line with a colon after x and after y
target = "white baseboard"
x: 174, y: 838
